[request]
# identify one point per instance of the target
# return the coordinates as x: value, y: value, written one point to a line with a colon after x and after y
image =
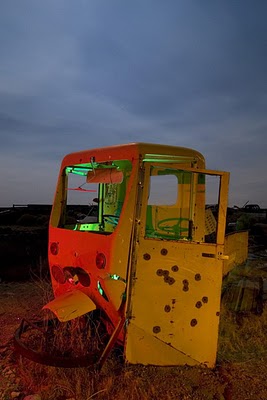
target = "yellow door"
x: 173, y: 306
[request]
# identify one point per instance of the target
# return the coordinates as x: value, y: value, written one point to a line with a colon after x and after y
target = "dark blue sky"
x: 79, y: 74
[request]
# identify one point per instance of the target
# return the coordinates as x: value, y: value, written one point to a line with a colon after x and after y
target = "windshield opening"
x: 93, y: 196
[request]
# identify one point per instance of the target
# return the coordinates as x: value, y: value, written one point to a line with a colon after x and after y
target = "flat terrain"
x: 240, y: 373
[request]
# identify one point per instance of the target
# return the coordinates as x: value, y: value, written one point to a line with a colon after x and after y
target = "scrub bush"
x: 27, y: 220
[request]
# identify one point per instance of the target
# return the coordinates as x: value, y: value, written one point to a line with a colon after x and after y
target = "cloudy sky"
x: 77, y: 74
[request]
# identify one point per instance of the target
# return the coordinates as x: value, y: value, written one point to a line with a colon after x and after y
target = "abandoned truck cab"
x: 150, y: 254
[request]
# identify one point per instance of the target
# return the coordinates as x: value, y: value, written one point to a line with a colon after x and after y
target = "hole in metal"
x: 171, y: 280
x: 198, y: 304
x: 186, y: 285
x: 156, y: 329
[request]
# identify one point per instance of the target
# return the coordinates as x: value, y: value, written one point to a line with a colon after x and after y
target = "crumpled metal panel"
x: 70, y: 305
x: 115, y: 291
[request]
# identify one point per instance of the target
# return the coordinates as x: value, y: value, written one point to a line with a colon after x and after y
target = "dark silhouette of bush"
x: 8, y: 217
x: 42, y: 220
x: 27, y: 220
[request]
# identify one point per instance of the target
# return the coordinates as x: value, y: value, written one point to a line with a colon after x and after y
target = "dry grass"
x: 243, y: 335
x: 122, y: 382
x: 242, y: 362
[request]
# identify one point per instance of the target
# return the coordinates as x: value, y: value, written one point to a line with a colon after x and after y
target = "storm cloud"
x: 80, y: 74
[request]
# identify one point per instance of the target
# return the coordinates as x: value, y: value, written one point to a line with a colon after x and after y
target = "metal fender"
x: 70, y: 305
x: 114, y: 290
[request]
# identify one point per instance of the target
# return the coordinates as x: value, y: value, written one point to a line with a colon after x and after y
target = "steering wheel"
x: 174, y: 228
x: 111, y: 219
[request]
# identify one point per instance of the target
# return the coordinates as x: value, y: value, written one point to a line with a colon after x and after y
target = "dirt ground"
x: 18, y: 300
x: 239, y: 375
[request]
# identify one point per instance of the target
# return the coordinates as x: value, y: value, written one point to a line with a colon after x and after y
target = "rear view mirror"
x: 105, y: 175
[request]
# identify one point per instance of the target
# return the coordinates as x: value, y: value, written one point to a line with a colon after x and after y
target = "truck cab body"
x: 152, y: 257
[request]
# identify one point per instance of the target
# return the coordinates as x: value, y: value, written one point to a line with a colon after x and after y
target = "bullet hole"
x: 167, y: 308
x: 165, y: 273
x: 193, y: 322
x: 198, y: 304
x: 205, y: 299
x: 156, y: 329
x: 164, y: 252
x: 186, y: 285
x: 198, y: 277
x: 146, y: 256
x: 217, y: 313
x: 175, y: 268
x: 173, y: 301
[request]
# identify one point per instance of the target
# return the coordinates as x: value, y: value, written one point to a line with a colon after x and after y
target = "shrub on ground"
x: 27, y: 220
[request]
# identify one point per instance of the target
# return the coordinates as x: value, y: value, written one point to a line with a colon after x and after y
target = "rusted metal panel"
x: 236, y: 247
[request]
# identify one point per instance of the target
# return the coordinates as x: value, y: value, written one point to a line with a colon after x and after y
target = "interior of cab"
x: 94, y: 196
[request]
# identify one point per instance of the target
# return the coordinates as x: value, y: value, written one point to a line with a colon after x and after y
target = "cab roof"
x: 135, y: 151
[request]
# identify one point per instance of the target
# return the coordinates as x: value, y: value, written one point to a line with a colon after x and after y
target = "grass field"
x: 239, y: 374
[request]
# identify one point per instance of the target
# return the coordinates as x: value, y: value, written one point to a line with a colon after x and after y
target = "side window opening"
x: 166, y: 217
x: 182, y: 205
x: 212, y: 188
x: 163, y: 190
